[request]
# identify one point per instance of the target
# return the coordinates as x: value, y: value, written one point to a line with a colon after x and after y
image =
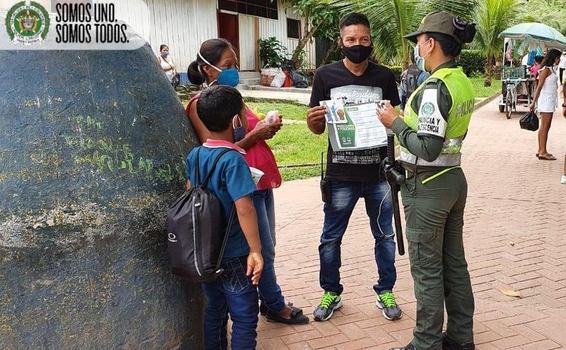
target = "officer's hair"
x: 449, y: 46
x: 217, y: 105
x: 354, y: 19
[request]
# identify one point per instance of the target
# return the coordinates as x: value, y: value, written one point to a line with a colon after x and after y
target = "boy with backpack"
x: 222, y: 111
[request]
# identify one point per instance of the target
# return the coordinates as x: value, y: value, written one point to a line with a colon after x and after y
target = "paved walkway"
x: 514, y: 236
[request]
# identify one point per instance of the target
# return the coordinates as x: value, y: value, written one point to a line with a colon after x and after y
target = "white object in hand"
x: 256, y: 174
x: 272, y: 116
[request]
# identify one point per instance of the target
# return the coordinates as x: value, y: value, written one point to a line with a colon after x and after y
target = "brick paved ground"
x: 513, y: 197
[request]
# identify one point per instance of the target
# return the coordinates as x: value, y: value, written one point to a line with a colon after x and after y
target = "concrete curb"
x: 487, y: 100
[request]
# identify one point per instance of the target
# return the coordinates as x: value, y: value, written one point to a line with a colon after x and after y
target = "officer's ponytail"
x: 464, y: 31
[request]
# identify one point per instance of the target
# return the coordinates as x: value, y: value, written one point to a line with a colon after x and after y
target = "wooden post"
x: 256, y: 37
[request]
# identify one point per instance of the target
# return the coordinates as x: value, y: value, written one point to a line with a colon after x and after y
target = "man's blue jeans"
x: 232, y: 294
x: 269, y: 290
x: 379, y: 208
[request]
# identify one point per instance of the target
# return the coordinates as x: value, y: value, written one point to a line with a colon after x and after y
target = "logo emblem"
x: 27, y: 23
x: 428, y: 109
x: 172, y: 238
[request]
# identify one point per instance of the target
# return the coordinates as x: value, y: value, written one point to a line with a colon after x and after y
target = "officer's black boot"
x: 408, y: 347
x: 449, y: 344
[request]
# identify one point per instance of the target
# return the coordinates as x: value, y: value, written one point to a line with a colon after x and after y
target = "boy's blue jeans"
x: 379, y: 208
x: 269, y: 290
x: 232, y: 294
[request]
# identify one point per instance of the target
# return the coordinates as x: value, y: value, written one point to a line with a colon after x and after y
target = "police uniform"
x: 431, y: 135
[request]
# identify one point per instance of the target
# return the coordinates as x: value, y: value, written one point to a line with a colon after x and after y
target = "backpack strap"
x: 232, y: 214
x: 204, y: 184
x: 209, y: 175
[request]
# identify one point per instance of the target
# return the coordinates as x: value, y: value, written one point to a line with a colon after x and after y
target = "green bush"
x: 472, y: 62
x: 271, y: 52
x: 397, y: 70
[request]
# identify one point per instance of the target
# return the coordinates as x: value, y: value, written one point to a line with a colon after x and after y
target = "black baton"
x: 395, y: 178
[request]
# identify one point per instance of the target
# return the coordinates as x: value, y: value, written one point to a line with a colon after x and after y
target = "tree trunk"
x: 303, y: 42
x: 488, y: 69
x: 329, y: 52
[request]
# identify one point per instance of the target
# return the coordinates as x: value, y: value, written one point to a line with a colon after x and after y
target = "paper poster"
x: 354, y: 127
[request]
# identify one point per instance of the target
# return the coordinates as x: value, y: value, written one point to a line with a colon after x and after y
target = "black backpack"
x: 197, y: 234
x: 411, y: 79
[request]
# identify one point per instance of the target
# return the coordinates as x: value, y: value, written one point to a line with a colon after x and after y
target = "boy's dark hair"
x: 550, y: 57
x: 354, y: 19
x: 538, y: 59
x: 217, y: 105
x: 449, y: 46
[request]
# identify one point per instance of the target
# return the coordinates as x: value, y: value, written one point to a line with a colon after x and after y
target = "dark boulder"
x: 92, y: 148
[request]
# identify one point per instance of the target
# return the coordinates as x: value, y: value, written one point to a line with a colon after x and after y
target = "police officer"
x: 431, y: 135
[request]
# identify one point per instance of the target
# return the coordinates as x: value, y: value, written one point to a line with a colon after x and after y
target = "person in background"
x: 536, y: 67
x: 234, y: 293
x: 562, y: 66
x: 546, y: 97
x: 563, y: 180
x: 166, y: 62
x: 217, y: 64
x: 411, y: 79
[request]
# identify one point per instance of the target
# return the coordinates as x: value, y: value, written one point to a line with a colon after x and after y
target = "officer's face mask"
x: 229, y: 77
x: 238, y: 131
x: 420, y: 60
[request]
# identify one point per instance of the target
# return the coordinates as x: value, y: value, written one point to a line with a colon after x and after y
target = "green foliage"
x: 321, y: 22
x: 549, y: 12
x: 288, y: 110
x: 472, y: 62
x: 271, y: 52
x: 492, y: 18
x: 391, y: 20
x: 397, y: 70
x: 483, y: 91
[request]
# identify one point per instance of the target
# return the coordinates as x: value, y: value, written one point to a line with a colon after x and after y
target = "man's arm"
x: 315, y: 115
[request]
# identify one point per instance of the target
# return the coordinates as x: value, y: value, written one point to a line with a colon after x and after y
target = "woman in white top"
x: 562, y: 66
x: 547, y: 97
x: 166, y: 62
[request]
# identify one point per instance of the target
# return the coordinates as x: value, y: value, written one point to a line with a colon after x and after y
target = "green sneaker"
x: 329, y: 302
x: 386, y: 302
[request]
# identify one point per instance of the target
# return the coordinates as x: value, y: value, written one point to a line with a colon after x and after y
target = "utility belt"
x: 425, y: 173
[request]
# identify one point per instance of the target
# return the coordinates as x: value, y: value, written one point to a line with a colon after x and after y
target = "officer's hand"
x: 387, y: 114
x: 316, y: 120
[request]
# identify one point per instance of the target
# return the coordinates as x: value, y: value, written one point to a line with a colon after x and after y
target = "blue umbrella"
x: 537, y: 32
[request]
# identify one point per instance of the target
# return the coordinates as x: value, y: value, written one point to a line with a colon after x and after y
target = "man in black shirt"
x: 354, y: 174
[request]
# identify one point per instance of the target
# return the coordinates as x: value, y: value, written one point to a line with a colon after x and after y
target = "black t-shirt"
x: 335, y: 81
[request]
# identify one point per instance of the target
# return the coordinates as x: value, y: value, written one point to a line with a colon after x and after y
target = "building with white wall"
x: 184, y: 24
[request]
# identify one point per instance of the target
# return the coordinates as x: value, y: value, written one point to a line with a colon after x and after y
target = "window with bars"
x: 293, y: 28
x: 260, y: 8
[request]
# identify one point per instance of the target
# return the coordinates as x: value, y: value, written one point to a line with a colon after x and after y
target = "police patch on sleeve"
x: 431, y: 121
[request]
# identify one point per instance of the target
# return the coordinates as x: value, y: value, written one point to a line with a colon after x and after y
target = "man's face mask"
x: 357, y: 53
x: 229, y: 77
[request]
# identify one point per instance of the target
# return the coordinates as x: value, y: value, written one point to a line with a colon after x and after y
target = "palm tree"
x: 393, y: 19
x: 492, y: 18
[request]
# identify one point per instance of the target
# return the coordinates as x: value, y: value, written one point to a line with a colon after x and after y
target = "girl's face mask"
x: 230, y: 76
